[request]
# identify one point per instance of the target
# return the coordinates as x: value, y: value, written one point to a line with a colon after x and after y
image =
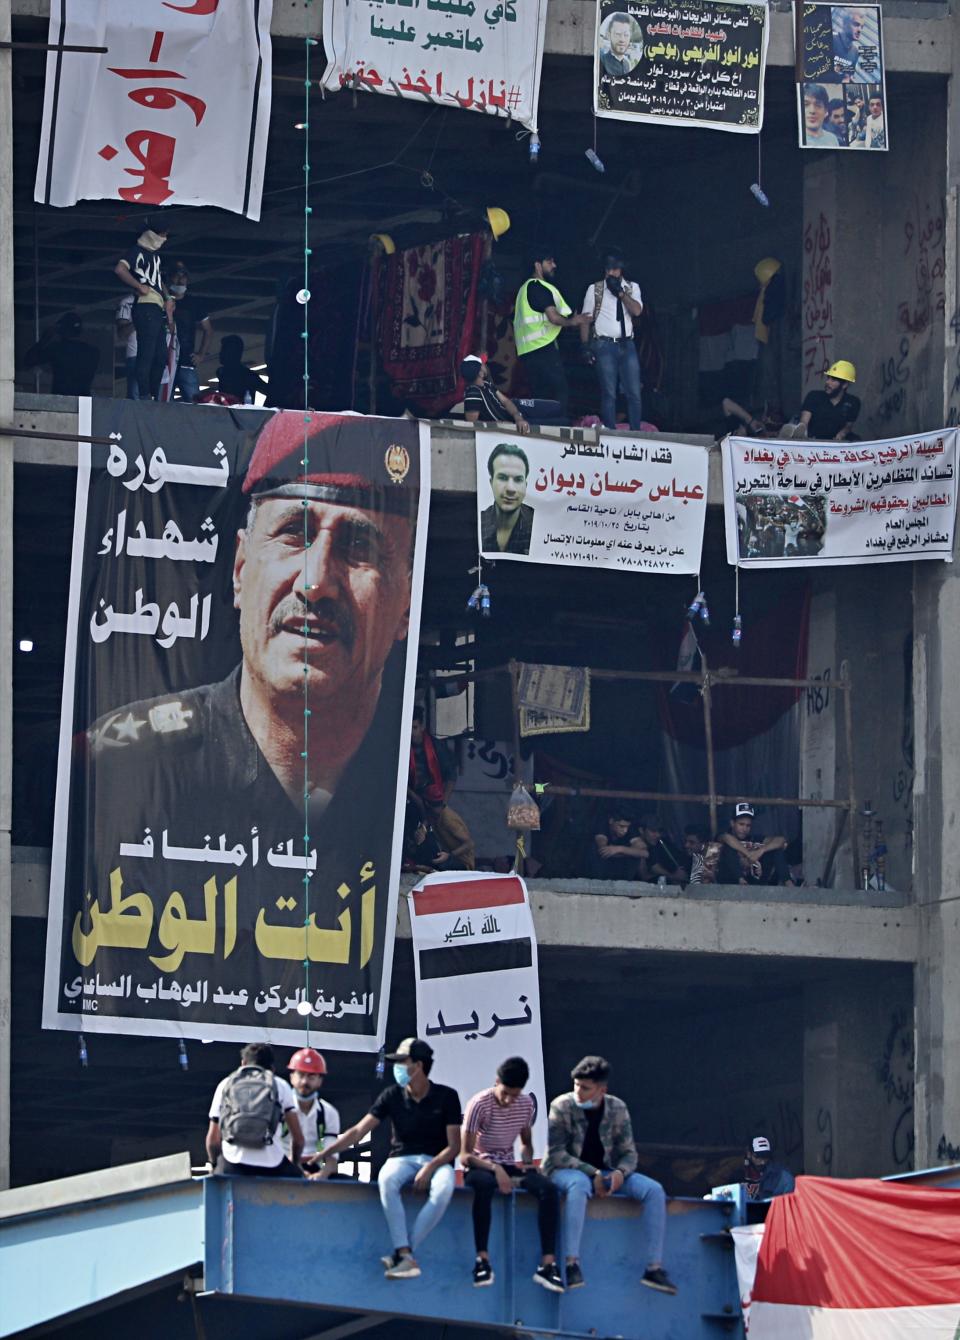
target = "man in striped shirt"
x: 495, y: 1118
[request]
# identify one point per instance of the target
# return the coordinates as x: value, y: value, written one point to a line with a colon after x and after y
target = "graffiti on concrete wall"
x: 817, y: 301
x: 896, y: 1078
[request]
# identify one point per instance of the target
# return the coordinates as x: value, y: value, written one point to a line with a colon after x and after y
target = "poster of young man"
x: 697, y: 64
x: 841, y: 88
x: 622, y: 502
x: 241, y: 652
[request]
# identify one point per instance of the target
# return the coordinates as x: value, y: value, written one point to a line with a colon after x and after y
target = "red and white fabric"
x: 859, y: 1260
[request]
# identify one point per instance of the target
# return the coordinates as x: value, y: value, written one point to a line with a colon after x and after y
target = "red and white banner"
x: 859, y: 1260
x: 176, y: 111
x: 475, y: 955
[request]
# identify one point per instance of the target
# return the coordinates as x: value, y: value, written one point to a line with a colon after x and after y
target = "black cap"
x: 412, y: 1049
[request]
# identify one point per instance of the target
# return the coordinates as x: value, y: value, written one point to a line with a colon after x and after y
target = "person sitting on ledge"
x: 616, y: 854
x: 746, y: 857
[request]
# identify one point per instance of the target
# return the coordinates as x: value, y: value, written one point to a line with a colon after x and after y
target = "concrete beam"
x: 453, y: 458
x: 726, y: 926
x: 920, y: 43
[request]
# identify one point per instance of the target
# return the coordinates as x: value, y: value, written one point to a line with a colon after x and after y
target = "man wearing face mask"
x: 190, y: 316
x: 612, y: 303
x: 591, y: 1152
x: 541, y: 312
x: 140, y: 269
x: 426, y: 1141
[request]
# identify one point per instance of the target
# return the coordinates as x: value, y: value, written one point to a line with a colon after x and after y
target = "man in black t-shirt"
x: 483, y: 403
x: 617, y: 852
x: 71, y: 360
x: 828, y: 415
x: 426, y: 1141
x: 140, y: 269
x: 662, y: 861
x: 191, y: 317
x: 234, y: 378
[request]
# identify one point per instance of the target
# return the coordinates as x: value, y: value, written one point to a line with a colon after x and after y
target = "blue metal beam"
x: 319, y: 1244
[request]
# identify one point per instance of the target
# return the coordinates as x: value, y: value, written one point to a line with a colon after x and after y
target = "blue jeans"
x: 577, y: 1188
x: 399, y: 1172
x: 187, y: 383
x: 617, y: 361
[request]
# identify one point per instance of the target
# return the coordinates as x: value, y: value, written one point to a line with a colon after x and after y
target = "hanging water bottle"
x: 737, y: 630
x: 704, y: 612
x: 534, y: 149
x: 381, y: 1062
x: 695, y: 606
x: 83, y: 1051
x: 595, y: 159
x: 182, y: 1048
x: 484, y: 602
x: 758, y: 193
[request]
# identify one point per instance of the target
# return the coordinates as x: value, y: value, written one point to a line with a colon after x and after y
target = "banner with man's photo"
x: 234, y: 742
x: 841, y: 77
x: 804, y: 504
x: 623, y: 502
x: 700, y: 63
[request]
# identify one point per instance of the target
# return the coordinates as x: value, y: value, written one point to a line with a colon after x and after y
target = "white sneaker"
x: 405, y: 1268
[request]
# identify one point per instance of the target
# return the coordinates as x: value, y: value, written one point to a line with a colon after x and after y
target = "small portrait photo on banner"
x: 620, y: 44
x: 234, y: 743
x: 506, y: 526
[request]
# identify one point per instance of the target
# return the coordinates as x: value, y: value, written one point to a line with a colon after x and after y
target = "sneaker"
x: 574, y: 1275
x: 404, y: 1268
x: 548, y: 1277
x: 658, y: 1279
x: 391, y: 1260
x: 482, y: 1273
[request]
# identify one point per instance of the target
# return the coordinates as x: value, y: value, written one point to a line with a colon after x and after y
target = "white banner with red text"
x: 478, y: 985
x: 858, y: 1260
x: 804, y: 504
x: 622, y: 502
x: 175, y: 112
x: 451, y: 53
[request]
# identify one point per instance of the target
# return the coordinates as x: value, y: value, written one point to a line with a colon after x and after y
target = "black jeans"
x: 547, y: 376
x: 150, y: 323
x: 283, y: 1169
x: 484, y: 1186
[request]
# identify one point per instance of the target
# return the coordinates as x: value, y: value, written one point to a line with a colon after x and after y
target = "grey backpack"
x: 250, y: 1109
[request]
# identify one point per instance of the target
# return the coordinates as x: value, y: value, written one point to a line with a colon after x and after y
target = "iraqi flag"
x: 859, y: 1260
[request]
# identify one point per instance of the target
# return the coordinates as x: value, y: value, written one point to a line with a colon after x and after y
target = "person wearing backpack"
x: 248, y: 1108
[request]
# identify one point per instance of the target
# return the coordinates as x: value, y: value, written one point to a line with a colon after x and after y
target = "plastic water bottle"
x: 534, y: 149
x: 695, y: 606
x: 737, y: 630
x: 595, y: 160
x: 758, y: 193
x: 381, y: 1062
x: 704, y: 612
x: 83, y: 1051
x: 484, y: 602
x: 182, y: 1049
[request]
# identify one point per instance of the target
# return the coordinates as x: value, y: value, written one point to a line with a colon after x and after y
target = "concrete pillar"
x: 6, y: 577
x: 937, y: 784
x: 858, y: 1075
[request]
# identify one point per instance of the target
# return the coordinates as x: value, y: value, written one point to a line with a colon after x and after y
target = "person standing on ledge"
x: 540, y: 314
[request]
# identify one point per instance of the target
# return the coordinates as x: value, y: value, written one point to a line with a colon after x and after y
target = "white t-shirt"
x: 310, y: 1122
x: 270, y: 1155
x: 606, y: 322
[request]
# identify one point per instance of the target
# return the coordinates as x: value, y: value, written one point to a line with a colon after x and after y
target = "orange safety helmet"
x: 308, y: 1061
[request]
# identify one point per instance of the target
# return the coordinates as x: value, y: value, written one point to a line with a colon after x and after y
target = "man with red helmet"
x: 319, y: 1120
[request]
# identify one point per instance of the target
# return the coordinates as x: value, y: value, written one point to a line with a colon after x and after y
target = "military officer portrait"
x: 283, y: 775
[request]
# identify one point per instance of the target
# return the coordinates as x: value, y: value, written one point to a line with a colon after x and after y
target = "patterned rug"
x: 428, y: 319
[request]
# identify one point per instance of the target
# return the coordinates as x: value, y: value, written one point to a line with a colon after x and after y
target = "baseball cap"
x: 760, y: 1145
x: 348, y: 461
x: 412, y: 1049
x: 744, y: 810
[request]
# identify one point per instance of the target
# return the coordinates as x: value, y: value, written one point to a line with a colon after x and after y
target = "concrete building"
x: 828, y: 1016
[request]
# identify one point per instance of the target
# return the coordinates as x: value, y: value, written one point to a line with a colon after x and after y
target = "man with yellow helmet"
x: 828, y: 415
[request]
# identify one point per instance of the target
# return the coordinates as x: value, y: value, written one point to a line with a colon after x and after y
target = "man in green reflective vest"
x: 540, y: 314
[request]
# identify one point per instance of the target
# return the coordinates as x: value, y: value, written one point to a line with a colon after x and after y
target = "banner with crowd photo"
x: 623, y: 502
x: 234, y: 739
x: 805, y: 504
x: 699, y: 63
x: 478, y: 984
x: 483, y: 57
x: 175, y: 111
x: 841, y: 77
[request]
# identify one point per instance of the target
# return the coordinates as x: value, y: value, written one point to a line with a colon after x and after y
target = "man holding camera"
x: 613, y: 303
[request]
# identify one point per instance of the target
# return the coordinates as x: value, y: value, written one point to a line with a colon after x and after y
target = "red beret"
x: 349, y: 459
